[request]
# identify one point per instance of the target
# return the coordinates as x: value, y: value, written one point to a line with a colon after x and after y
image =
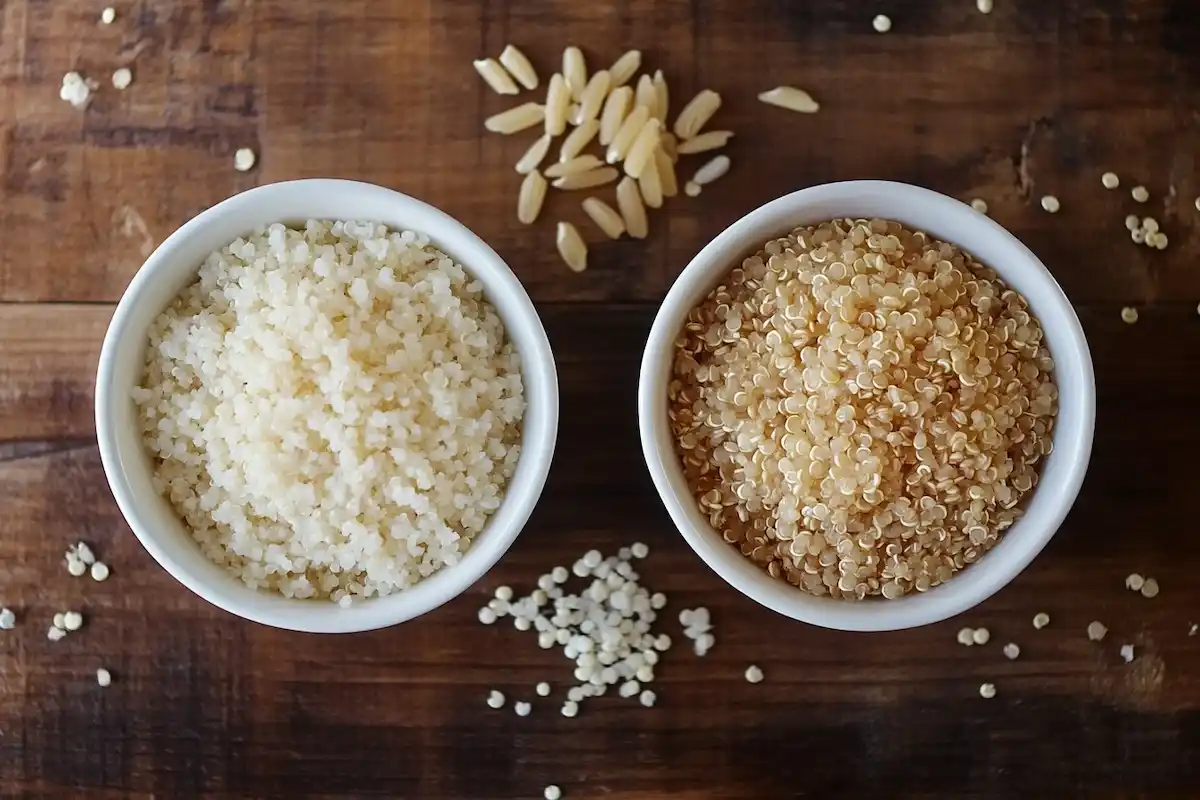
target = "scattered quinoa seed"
x: 639, y: 550
x: 1134, y: 582
x: 980, y: 205
x: 100, y: 571
x: 1127, y: 653
x: 570, y: 708
x: 495, y: 699
x: 8, y: 619
x: 244, y: 159
x: 1197, y: 203
x: 76, y: 567
x: 984, y: 6
x: 60, y: 621
x: 1110, y: 180
x: 103, y: 677
x: 981, y: 636
x: 55, y: 633
x: 1096, y: 631
x: 122, y: 78
x: 1129, y: 315
x: 487, y: 616
x: 1150, y: 588
x: 987, y: 690
x: 754, y: 674
x: 542, y: 689
x: 692, y: 189
x: 647, y: 698
x: 1050, y: 203
x: 1132, y: 223
x: 966, y: 637
x: 882, y: 23
x: 522, y: 708
x: 1192, y: 631
x: 552, y: 792
x: 72, y: 620
x: 1011, y: 651
x: 1041, y: 620
x: 108, y: 16
x: 1140, y: 194
x: 504, y: 593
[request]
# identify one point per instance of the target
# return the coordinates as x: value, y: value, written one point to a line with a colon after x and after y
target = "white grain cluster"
x: 1146, y: 231
x: 333, y: 411
x: 64, y: 622
x: 627, y: 125
x: 605, y: 629
x: 79, y: 557
x: 697, y: 627
x: 77, y: 90
x: 861, y: 409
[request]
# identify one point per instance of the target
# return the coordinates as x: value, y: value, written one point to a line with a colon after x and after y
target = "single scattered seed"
x: 522, y: 708
x: 1011, y: 651
x: 1150, y: 225
x: 495, y: 76
x: 516, y: 119
x: 72, y: 620
x: 692, y: 189
x: 576, y: 165
x: 1129, y: 315
x: 587, y: 180
x: 626, y: 134
x: 55, y: 634
x: 1192, y: 631
x: 987, y: 690
x: 570, y: 708
x: 981, y: 636
x: 633, y: 211
x: 574, y: 71
x: 8, y: 620
x: 714, y: 169
x: 60, y: 621
x: 487, y: 616
x: 1150, y: 588
x: 754, y: 674
x: 122, y: 78
x: 616, y: 108
x: 666, y: 172
x: 1197, y: 204
x: 100, y: 571
x: 641, y: 152
x: 605, y: 216
x: 1132, y: 223
x: 1110, y: 180
x: 536, y: 154
x: 625, y: 67
x: 980, y: 205
x: 984, y: 6
x: 571, y: 247
x: 1138, y: 236
x: 519, y: 67
x: 76, y: 567
x: 495, y: 699
x: 966, y: 637
x: 791, y: 98
x: 552, y: 792
x: 504, y: 593
x: 578, y: 139
x: 593, y: 98
x: 103, y: 677
x: 704, y: 142
x: 108, y: 15
x: 558, y: 102
x: 1096, y: 631
x: 244, y: 159
x: 1127, y: 653
x: 1161, y: 242
x: 1050, y: 203
x: 882, y: 23
x: 647, y: 698
x: 1134, y: 582
x: 531, y: 197
x: 1140, y: 194
x: 542, y: 689
x: 696, y: 114
x: 639, y: 550
x: 1041, y: 620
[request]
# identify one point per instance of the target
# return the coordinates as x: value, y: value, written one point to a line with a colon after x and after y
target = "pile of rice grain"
x: 861, y: 409
x: 334, y: 411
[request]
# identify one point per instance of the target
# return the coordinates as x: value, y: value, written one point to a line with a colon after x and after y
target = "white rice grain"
x: 587, y: 180
x: 605, y: 216
x: 711, y: 140
x: 494, y: 75
x: 630, y: 128
x: 616, y: 107
x: 629, y: 201
x: 519, y: 67
x: 571, y: 247
x: 641, y: 152
x: 576, y: 165
x: 650, y: 186
x: 696, y: 114
x: 791, y: 98
x: 535, y: 155
x: 712, y: 170
x: 558, y: 101
x: 515, y: 119
x: 531, y: 197
x: 625, y: 68
x: 666, y: 172
x: 593, y: 98
x: 578, y: 139
x: 574, y: 70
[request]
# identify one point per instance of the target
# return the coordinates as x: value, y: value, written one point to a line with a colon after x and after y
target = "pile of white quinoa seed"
x: 861, y: 408
x: 334, y: 412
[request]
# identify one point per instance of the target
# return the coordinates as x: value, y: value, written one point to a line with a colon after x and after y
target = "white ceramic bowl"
x: 946, y: 219
x: 175, y: 264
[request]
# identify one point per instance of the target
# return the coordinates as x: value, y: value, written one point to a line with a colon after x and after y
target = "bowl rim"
x: 539, y: 434
x: 1017, y: 549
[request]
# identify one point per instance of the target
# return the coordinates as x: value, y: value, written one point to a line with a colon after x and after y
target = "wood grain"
x: 1035, y: 98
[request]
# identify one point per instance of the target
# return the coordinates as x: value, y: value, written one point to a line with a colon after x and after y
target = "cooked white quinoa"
x: 334, y: 411
x: 861, y: 408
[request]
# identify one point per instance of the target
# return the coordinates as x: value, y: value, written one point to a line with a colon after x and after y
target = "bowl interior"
x: 174, y: 265
x: 944, y: 218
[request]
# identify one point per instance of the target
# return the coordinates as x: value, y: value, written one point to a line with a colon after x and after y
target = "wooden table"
x: 1039, y: 97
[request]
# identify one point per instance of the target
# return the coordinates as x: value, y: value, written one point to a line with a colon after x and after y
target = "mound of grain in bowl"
x: 334, y: 411
x: 861, y: 408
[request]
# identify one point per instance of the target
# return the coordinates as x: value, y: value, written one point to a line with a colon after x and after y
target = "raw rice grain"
x: 494, y: 75
x: 605, y: 216
x: 791, y: 98
x: 625, y: 67
x: 704, y: 142
x: 641, y: 152
x: 574, y: 71
x: 650, y: 186
x: 616, y: 107
x: 519, y: 67
x: 629, y: 201
x: 535, y: 155
x: 531, y: 197
x: 696, y: 114
x: 662, y: 97
x: 666, y: 172
x: 578, y: 139
x: 558, y: 101
x: 571, y: 247
x: 587, y: 180
x: 623, y: 140
x: 515, y: 119
x: 593, y: 97
x: 576, y: 165
x: 711, y: 171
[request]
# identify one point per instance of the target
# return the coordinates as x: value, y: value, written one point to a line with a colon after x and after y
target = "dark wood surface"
x: 1042, y: 96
